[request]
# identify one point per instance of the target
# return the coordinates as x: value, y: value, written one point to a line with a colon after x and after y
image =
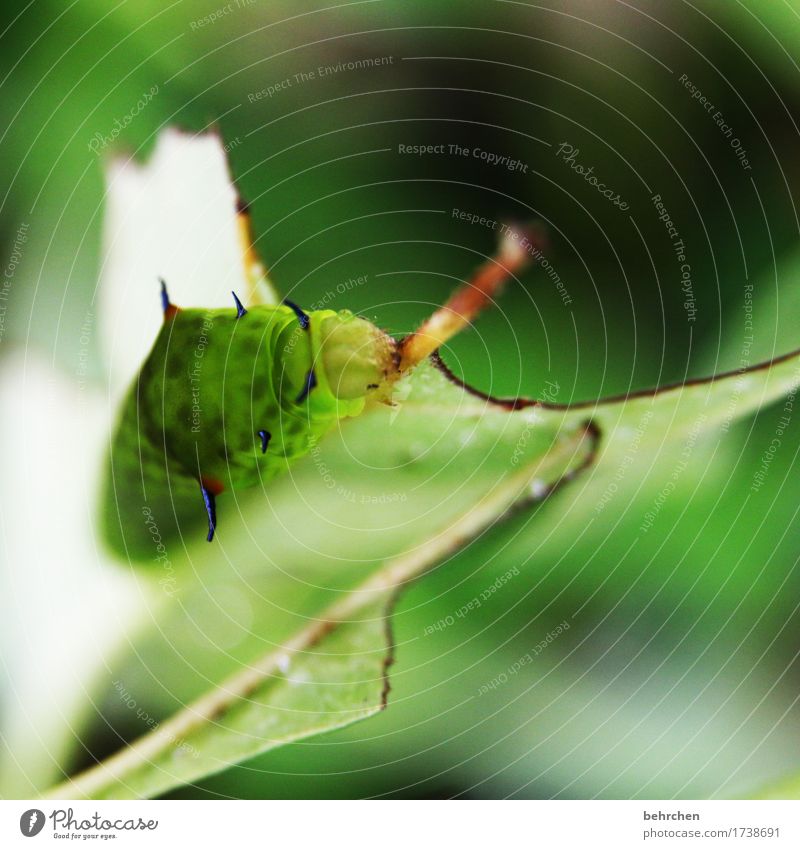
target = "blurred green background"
x: 679, y: 675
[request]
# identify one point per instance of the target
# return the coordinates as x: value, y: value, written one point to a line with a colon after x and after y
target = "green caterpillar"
x: 228, y: 398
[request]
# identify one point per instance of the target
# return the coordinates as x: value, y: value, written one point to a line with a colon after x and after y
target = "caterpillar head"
x: 357, y: 356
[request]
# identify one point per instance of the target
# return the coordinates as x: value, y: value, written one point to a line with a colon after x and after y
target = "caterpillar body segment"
x: 228, y: 398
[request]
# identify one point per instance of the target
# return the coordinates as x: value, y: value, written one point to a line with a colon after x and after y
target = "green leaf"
x: 332, y: 671
x: 393, y: 493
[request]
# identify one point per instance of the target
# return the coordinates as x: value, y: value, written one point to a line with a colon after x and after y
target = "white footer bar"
x: 403, y: 824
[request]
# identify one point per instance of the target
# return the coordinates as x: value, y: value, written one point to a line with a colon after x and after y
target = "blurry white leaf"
x: 177, y: 218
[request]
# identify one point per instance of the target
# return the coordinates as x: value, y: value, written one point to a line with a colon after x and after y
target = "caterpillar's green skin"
x: 212, y: 381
